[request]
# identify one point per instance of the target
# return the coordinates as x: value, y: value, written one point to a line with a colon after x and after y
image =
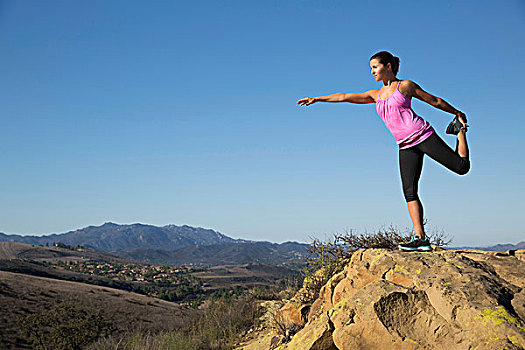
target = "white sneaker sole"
x: 418, y: 249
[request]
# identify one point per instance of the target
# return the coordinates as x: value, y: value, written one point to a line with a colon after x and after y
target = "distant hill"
x: 505, y: 247
x: 112, y: 237
x: 288, y: 253
x: 22, y: 251
x: 49, y: 262
x: 497, y: 247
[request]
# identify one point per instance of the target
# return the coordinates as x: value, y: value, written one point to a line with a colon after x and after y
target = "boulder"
x: 446, y: 299
x: 294, y: 313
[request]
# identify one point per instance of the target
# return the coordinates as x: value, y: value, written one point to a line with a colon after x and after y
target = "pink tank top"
x: 408, y: 128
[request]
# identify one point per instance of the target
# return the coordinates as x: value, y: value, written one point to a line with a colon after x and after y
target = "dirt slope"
x: 23, y: 294
x: 14, y: 250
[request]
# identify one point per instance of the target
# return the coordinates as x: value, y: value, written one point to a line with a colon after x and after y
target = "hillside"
x: 243, y: 276
x: 386, y: 299
x: 22, y: 294
x: 174, y: 283
x: 289, y: 253
x: 110, y: 237
x: 34, y: 278
x: 14, y: 250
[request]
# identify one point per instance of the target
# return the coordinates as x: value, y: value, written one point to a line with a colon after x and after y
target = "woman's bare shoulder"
x: 407, y: 87
x: 407, y: 84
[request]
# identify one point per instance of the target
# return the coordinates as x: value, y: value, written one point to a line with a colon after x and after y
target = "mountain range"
x: 497, y: 247
x: 172, y: 245
x: 113, y: 237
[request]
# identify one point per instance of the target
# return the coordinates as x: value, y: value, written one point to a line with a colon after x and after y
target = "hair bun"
x: 386, y: 57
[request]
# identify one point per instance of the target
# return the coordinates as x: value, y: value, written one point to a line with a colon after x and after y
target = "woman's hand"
x: 306, y: 101
x: 364, y: 97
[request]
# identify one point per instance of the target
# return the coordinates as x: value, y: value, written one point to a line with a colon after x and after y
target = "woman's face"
x: 379, y: 70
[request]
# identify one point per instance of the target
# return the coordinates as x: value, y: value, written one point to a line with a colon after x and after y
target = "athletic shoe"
x: 455, y: 127
x: 416, y: 244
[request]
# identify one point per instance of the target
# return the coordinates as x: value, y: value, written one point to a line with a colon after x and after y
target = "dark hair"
x: 385, y: 57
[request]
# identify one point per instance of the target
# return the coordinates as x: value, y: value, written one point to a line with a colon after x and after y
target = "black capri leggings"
x: 411, y: 162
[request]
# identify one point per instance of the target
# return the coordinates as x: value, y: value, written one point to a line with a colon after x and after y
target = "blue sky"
x: 173, y: 112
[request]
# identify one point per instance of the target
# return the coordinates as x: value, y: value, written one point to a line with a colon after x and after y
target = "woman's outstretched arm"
x: 360, y: 98
x: 417, y: 92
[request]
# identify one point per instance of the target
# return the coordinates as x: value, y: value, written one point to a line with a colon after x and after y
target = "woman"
x: 412, y: 133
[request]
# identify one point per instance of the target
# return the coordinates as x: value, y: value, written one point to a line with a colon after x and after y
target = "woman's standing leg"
x: 415, y: 209
x: 410, y: 166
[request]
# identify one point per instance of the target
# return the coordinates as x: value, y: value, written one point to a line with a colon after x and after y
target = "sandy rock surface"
x: 386, y: 299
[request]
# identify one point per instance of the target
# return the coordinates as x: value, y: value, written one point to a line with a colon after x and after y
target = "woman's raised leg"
x: 438, y: 150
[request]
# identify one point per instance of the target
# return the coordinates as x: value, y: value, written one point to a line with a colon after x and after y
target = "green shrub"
x: 65, y: 326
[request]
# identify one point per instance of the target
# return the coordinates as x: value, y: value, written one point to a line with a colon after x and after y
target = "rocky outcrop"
x: 386, y: 299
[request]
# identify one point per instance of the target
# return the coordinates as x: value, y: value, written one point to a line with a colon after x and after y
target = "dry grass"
x: 217, y: 329
x: 63, y: 327
x: 281, y: 325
